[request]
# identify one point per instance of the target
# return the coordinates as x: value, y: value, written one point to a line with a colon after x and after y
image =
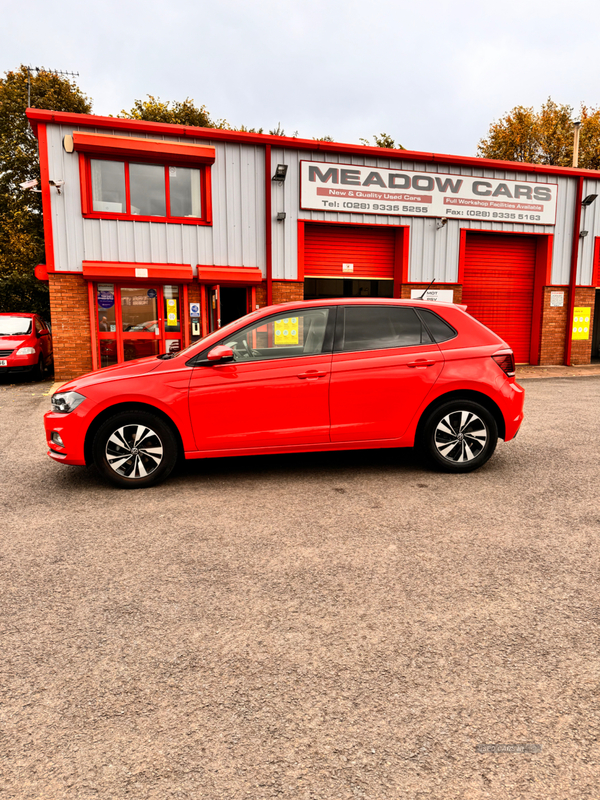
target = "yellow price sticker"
x: 286, y: 332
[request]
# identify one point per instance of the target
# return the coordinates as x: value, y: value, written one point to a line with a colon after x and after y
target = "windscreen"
x: 15, y: 326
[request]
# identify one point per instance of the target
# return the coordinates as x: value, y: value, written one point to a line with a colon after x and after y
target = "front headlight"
x: 26, y: 351
x: 63, y: 402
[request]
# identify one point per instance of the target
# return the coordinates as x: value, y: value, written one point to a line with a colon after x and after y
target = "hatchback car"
x: 310, y: 376
x: 25, y: 345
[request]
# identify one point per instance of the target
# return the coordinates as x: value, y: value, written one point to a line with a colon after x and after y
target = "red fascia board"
x: 208, y: 273
x: 121, y: 270
x: 128, y: 146
x: 37, y: 115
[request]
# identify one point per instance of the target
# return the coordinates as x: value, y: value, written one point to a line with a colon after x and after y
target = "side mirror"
x: 220, y: 353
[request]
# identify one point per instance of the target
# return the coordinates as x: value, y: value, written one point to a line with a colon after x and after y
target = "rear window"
x: 379, y: 327
x: 15, y: 326
x: 438, y: 328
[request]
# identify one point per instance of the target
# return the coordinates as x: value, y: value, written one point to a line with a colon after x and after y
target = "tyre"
x: 38, y: 371
x: 134, y: 449
x: 459, y: 436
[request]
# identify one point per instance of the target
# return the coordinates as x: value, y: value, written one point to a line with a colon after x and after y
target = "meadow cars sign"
x: 368, y: 190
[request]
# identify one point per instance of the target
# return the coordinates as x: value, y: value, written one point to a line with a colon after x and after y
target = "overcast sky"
x: 433, y: 74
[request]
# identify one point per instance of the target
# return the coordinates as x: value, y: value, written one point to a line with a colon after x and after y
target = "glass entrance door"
x: 140, y: 322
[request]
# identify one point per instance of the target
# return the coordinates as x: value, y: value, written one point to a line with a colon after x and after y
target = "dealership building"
x: 157, y: 234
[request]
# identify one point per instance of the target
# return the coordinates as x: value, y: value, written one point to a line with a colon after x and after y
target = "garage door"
x: 369, y: 250
x: 498, y: 286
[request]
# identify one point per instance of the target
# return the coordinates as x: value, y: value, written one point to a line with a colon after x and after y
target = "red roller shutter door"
x: 498, y: 286
x: 370, y: 250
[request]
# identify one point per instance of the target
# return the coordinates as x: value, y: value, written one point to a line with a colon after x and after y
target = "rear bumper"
x: 514, y: 397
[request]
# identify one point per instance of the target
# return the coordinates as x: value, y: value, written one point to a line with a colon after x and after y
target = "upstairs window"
x: 134, y: 190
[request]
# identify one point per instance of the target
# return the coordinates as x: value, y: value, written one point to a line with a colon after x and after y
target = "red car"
x: 25, y: 345
x: 317, y: 375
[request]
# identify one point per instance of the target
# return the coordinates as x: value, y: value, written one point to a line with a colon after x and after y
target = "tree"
x: 154, y: 109
x: 21, y: 223
x: 383, y: 140
x: 544, y: 136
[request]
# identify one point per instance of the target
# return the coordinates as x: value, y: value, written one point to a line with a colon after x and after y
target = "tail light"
x: 506, y: 362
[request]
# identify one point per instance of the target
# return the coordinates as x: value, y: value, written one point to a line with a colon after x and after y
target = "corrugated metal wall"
x: 433, y: 253
x: 236, y: 238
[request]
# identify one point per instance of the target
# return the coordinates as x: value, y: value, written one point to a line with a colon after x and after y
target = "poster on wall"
x: 372, y: 190
x: 581, y: 322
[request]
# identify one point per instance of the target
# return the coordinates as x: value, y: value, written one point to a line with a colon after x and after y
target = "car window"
x: 298, y: 333
x: 38, y: 325
x: 437, y: 327
x: 377, y: 327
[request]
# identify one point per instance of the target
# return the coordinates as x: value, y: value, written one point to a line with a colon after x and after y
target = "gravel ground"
x: 317, y: 626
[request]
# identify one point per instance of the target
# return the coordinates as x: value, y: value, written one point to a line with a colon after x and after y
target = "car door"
x: 383, y: 367
x: 276, y: 391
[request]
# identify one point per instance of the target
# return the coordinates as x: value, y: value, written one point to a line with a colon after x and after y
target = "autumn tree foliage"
x: 544, y: 136
x: 21, y: 222
x: 153, y: 109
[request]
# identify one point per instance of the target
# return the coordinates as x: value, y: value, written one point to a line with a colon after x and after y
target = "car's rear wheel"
x: 38, y: 370
x: 134, y: 449
x: 459, y: 436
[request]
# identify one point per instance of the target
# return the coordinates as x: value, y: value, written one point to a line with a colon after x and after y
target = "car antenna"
x: 427, y: 289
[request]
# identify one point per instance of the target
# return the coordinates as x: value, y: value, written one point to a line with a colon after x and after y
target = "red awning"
x: 130, y: 146
x: 241, y: 276
x: 139, y: 273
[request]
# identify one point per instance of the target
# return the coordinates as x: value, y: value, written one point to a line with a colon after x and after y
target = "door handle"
x: 313, y: 373
x: 421, y: 362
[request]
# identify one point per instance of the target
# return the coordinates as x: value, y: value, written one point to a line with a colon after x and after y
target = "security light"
x: 587, y: 201
x: 583, y: 234
x: 281, y: 216
x: 280, y: 172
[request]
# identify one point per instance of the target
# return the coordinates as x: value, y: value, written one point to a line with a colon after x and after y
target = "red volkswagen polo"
x: 317, y: 375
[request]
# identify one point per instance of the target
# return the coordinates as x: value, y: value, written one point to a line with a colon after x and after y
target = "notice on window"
x: 286, y: 332
x: 171, y: 313
x: 581, y: 322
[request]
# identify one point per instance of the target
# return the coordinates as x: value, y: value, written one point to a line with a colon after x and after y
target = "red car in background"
x: 318, y: 375
x: 25, y: 345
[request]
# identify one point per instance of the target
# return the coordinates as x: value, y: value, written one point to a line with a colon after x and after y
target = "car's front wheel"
x: 134, y: 449
x: 459, y: 436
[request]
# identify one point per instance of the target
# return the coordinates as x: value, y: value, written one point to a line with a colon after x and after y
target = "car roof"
x: 361, y: 301
x: 17, y: 314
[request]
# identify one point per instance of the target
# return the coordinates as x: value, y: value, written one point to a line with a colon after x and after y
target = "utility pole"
x: 576, y: 127
x: 37, y: 71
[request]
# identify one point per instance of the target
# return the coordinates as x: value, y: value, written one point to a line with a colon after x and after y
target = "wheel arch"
x: 119, y: 408
x: 464, y: 394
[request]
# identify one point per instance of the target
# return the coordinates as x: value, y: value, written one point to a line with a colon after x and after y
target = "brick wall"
x: 581, y: 349
x: 283, y: 292
x: 554, y: 327
x: 69, y: 314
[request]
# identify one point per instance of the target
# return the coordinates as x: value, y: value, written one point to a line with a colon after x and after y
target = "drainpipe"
x: 573, y: 277
x: 268, y: 220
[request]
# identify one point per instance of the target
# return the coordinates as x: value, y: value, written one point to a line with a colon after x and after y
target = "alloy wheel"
x: 460, y: 436
x: 134, y: 451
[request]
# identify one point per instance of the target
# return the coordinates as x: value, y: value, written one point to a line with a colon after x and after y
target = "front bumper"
x: 71, y: 430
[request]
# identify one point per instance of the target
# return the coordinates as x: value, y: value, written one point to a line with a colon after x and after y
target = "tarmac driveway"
x: 316, y: 626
